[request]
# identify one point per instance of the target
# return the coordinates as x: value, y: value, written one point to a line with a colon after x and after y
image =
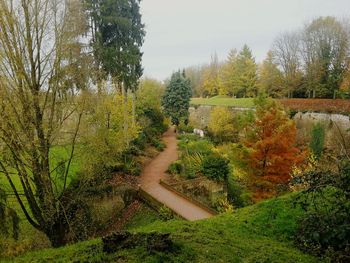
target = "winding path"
x: 156, y: 170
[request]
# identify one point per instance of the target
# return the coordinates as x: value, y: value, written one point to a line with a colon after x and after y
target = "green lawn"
x: 260, y: 233
x: 57, y: 154
x: 30, y: 237
x: 222, y: 101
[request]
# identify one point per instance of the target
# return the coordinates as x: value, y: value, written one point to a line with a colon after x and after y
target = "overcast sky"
x: 183, y: 33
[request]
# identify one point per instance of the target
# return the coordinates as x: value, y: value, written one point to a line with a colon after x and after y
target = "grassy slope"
x: 260, y: 233
x: 219, y: 101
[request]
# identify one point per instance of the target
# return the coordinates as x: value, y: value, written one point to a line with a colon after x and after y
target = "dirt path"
x: 155, y: 171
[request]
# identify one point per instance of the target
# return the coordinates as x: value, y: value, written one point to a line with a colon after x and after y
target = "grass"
x: 145, y: 216
x: 224, y: 101
x: 30, y: 237
x: 259, y: 233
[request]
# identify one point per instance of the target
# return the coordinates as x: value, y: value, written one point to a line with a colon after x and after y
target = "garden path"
x: 156, y: 170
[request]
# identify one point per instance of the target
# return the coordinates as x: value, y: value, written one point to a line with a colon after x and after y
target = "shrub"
x: 186, y: 128
x: 325, y: 226
x: 317, y: 140
x: 237, y: 195
x: 215, y: 167
x: 165, y: 213
x: 132, y: 167
x: 175, y: 168
x: 160, y: 145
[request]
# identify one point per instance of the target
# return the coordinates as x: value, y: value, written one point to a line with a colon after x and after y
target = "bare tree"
x: 286, y: 52
x: 39, y: 43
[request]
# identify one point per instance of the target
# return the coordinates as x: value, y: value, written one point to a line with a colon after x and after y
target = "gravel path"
x: 155, y: 171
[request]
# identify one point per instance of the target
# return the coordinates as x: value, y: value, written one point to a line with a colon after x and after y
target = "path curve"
x: 156, y: 170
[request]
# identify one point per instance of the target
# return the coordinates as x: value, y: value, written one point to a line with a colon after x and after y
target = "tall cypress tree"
x: 176, y: 99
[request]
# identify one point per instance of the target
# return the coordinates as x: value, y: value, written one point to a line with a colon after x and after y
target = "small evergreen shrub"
x: 215, y: 167
x: 317, y: 140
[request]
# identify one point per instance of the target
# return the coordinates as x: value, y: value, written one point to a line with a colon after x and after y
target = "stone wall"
x: 336, y: 125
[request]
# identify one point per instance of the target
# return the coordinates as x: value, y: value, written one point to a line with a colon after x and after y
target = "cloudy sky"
x: 183, y: 33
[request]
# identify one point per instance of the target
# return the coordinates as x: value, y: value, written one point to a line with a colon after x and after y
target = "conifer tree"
x: 176, y: 99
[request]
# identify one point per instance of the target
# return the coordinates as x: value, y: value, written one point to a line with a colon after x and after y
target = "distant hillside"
x: 259, y: 233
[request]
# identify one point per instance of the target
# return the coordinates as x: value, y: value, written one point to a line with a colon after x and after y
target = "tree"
x: 212, y: 83
x: 317, y: 140
x: 222, y: 125
x: 37, y: 102
x: 8, y: 217
x: 228, y: 74
x: 272, y: 146
x: 118, y: 35
x: 196, y: 74
x: 176, y: 99
x: 286, y: 53
x: 246, y: 74
x: 149, y: 94
x: 270, y: 78
x: 325, y: 51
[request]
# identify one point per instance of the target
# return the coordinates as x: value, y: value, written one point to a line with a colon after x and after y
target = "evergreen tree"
x: 117, y: 36
x: 317, y: 140
x: 176, y: 99
x: 228, y: 74
x: 246, y: 74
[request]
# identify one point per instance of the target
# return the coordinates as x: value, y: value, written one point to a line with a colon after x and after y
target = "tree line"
x: 311, y: 62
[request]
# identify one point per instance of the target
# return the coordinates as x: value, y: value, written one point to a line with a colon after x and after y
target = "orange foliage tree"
x: 273, y: 153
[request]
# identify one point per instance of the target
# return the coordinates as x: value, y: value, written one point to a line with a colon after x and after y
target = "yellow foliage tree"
x: 221, y: 125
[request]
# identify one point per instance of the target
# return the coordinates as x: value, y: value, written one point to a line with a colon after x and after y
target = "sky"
x: 182, y: 33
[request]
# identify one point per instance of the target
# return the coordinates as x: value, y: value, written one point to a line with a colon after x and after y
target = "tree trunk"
x: 57, y: 234
x: 133, y: 100
x: 125, y: 113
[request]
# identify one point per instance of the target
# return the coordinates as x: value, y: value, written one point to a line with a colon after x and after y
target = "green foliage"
x: 176, y: 99
x: 236, y: 192
x: 222, y: 126
x: 117, y: 38
x: 184, y: 127
x: 215, y: 167
x: 160, y: 145
x: 175, y: 168
x: 165, y: 213
x: 325, y: 227
x: 317, y: 139
x: 193, y: 151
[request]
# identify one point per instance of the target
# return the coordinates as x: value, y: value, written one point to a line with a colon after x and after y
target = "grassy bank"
x: 222, y: 101
x: 259, y: 233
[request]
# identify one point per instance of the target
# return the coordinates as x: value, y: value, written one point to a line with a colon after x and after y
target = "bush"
x: 175, y: 168
x: 165, y: 213
x: 237, y: 195
x: 160, y: 145
x: 215, y: 167
x: 325, y: 227
x: 183, y: 127
x: 194, y: 147
x: 317, y: 140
